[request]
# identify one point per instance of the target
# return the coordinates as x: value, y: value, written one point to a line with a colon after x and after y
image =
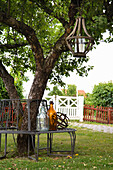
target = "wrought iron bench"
x: 9, y: 124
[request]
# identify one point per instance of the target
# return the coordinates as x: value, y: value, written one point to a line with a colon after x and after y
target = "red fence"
x: 8, y: 114
x: 98, y: 114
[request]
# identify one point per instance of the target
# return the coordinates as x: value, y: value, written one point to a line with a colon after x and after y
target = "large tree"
x: 32, y: 36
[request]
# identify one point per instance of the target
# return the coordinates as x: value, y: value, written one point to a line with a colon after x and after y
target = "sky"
x: 102, y: 60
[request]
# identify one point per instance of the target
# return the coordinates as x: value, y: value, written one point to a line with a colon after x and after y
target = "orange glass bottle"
x: 52, y: 117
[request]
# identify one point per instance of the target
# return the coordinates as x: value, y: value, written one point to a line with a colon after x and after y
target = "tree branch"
x: 8, y: 11
x: 54, y: 53
x: 73, y: 9
x: 12, y: 46
x: 49, y: 11
x: 28, y: 32
x: 61, y: 19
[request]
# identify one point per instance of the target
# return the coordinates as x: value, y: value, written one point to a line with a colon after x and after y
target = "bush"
x: 103, y: 94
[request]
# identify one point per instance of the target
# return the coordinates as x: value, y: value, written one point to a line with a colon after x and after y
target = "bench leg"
x: 33, y: 145
x: 50, y: 151
x: 73, y: 138
x: 0, y: 142
x: 48, y: 147
x: 5, y: 149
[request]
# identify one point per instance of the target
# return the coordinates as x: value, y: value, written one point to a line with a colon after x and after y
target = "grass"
x: 93, y: 150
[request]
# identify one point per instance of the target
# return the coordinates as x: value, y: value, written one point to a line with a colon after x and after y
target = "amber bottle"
x: 52, y: 117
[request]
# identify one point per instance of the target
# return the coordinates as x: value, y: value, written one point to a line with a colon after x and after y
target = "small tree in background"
x: 70, y: 91
x: 55, y: 91
x: 102, y: 95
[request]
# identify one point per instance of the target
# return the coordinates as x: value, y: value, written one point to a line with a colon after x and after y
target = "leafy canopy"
x: 45, y: 17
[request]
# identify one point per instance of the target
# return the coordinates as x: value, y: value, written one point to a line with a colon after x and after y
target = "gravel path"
x: 99, y: 128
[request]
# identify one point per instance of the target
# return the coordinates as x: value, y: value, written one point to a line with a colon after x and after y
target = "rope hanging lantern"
x: 79, y: 41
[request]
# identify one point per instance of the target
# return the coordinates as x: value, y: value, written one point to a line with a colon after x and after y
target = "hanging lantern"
x: 79, y: 41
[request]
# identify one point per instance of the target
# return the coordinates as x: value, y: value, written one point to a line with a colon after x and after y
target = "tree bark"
x: 36, y: 92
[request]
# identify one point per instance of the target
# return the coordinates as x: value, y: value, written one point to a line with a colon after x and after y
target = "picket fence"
x: 74, y: 108
x: 71, y: 106
x: 98, y: 114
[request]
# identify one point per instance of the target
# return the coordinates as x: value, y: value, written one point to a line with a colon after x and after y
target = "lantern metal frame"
x: 79, y: 37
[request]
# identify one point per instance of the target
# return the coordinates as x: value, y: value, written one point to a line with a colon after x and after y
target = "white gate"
x: 71, y: 106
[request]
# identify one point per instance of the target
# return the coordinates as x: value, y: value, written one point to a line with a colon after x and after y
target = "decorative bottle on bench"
x: 42, y: 120
x: 52, y: 117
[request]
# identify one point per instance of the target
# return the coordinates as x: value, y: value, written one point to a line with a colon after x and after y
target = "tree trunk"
x: 36, y: 92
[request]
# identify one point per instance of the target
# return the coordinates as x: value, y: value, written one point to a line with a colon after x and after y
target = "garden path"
x: 100, y: 128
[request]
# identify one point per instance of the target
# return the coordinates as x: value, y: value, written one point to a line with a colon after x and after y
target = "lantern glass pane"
x: 80, y: 45
x: 83, y: 42
x: 75, y: 48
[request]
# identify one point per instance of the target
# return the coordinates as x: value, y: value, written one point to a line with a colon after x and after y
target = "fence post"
x: 80, y: 108
x: 56, y: 102
x: 109, y: 115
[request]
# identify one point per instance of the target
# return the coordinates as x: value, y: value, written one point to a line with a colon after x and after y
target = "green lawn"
x: 93, y: 150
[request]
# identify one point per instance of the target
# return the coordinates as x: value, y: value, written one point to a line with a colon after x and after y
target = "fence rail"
x: 98, y: 114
